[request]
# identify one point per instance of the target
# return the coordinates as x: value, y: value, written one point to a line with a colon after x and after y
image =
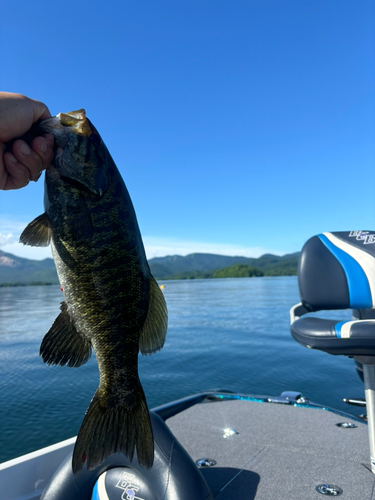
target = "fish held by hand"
x: 112, y: 302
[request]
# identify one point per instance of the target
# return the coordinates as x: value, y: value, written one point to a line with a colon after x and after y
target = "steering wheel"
x: 174, y: 475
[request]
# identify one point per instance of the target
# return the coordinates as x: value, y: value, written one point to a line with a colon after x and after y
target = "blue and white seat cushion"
x: 337, y: 271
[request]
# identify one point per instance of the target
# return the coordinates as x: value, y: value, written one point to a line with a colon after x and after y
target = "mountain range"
x: 190, y: 266
x: 17, y: 270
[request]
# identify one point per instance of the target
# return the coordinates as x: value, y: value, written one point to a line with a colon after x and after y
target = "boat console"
x: 336, y: 272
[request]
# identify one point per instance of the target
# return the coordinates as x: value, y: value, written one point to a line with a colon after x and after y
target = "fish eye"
x: 95, y: 139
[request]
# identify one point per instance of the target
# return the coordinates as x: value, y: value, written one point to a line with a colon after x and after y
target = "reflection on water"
x: 228, y: 334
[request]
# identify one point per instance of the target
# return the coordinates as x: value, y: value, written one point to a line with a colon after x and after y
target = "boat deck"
x: 280, y: 452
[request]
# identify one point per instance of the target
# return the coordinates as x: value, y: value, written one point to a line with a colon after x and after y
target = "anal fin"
x: 62, y: 344
x: 154, y: 330
x: 38, y: 233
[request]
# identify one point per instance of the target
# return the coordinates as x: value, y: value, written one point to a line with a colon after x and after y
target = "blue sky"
x: 239, y: 127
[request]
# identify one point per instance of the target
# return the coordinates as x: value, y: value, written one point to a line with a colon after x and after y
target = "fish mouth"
x: 63, y: 124
x: 73, y: 160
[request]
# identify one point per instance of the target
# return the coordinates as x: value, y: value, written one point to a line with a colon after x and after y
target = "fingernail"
x: 12, y: 159
x: 25, y: 150
x: 43, y: 147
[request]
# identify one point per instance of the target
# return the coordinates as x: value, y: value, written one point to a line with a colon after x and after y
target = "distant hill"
x: 235, y: 271
x: 201, y: 265
x: 162, y: 267
x: 275, y: 265
x: 25, y: 271
x: 16, y: 270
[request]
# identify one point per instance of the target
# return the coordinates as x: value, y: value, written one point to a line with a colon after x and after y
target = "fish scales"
x: 112, y: 302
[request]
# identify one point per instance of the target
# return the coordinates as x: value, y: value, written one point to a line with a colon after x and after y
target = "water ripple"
x: 231, y: 333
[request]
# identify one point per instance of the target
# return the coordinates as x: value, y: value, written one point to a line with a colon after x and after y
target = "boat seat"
x: 349, y: 338
x: 173, y: 476
x: 336, y: 271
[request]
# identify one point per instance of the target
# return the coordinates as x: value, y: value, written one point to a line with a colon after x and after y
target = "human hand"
x: 24, y: 162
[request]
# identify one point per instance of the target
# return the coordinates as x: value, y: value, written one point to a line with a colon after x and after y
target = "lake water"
x: 223, y: 334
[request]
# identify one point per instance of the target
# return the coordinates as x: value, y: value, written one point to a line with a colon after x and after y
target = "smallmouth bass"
x: 112, y: 302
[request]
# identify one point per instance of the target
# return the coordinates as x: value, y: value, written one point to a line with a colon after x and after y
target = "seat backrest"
x: 337, y: 271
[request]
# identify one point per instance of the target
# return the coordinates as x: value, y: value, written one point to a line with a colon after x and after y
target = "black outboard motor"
x: 174, y: 475
x: 337, y: 271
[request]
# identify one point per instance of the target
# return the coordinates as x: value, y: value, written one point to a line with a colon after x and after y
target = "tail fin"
x: 107, y: 429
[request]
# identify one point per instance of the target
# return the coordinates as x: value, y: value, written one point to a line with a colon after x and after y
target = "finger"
x: 29, y: 158
x: 44, y: 115
x: 43, y: 147
x: 3, y: 170
x: 40, y: 110
x: 16, y: 174
x: 18, y: 113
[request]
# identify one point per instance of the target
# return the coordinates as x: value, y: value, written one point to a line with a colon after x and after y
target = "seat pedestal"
x: 368, y: 363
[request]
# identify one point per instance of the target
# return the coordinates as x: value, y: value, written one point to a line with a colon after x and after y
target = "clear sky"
x: 240, y: 127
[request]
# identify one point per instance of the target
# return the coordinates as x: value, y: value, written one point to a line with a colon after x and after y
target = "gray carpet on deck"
x: 280, y: 451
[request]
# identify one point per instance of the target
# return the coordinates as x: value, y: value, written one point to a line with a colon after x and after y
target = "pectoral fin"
x: 62, y: 344
x: 38, y: 233
x: 154, y: 330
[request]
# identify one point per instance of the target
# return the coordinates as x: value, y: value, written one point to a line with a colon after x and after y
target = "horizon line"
x: 183, y: 255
